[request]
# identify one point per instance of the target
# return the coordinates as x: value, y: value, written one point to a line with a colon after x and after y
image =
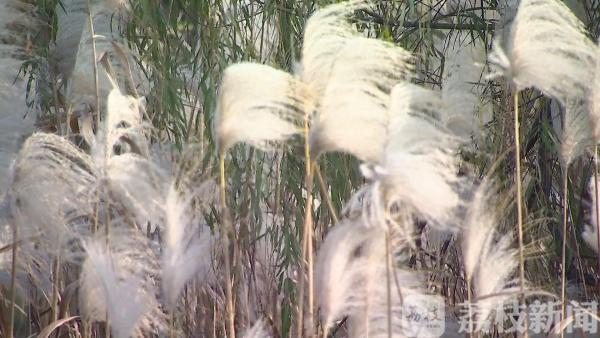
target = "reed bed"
x: 307, y: 168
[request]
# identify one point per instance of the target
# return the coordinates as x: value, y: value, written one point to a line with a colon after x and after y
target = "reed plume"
x: 342, y: 268
x: 257, y: 331
x: 259, y: 105
x: 489, y: 261
x: 357, y: 93
x: 462, y: 92
x: 116, y: 282
x: 547, y: 48
x: 187, y: 252
x: 50, y: 192
x: 419, y: 144
x: 326, y: 34
x: 351, y: 266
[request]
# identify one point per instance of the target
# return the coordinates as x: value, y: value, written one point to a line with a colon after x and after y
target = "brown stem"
x: 225, y: 233
x: 564, y: 244
x: 325, y: 195
x: 13, y: 283
x: 520, y: 208
x: 596, y: 203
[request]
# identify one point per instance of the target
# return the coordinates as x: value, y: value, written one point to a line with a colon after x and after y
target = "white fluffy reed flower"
x: 187, y: 252
x: 51, y: 191
x: 409, y: 298
x: 461, y: 89
x: 325, y: 36
x: 488, y: 258
x: 138, y: 184
x: 419, y: 163
x: 343, y: 269
x: 352, y: 113
x: 257, y: 331
x: 259, y: 105
x: 477, y: 229
x: 116, y: 282
x: 547, y: 48
x: 123, y: 129
x: 344, y: 77
x: 124, y: 124
x: 352, y: 77
x: 350, y: 274
x: 120, y: 156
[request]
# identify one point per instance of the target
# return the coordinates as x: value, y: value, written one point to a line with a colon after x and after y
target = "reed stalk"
x: 307, y: 239
x: 519, y: 207
x: 563, y: 298
x: 596, y: 194
x: 55, y: 289
x: 225, y: 233
x: 13, y: 283
x: 388, y: 283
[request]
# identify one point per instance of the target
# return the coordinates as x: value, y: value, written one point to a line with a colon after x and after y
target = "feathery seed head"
x: 259, y: 105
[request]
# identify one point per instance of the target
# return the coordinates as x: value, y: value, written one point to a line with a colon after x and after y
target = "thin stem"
x: 307, y: 239
x: 225, y: 232
x: 326, y: 196
x: 596, y: 201
x: 86, y: 328
x: 564, y: 244
x: 520, y: 207
x: 311, y: 300
x: 55, y: 288
x: 95, y: 55
x: 301, y: 281
x: 388, y: 283
x: 172, y: 324
x: 107, y: 326
x: 469, y: 299
x: 13, y: 283
x: 96, y: 86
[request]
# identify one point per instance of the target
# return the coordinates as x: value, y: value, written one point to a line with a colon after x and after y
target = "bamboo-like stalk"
x: 325, y: 194
x: 564, y: 245
x: 55, y: 288
x: 107, y: 327
x: 172, y: 324
x: 13, y: 283
x: 94, y: 53
x: 307, y: 237
x: 519, y: 194
x: 86, y: 328
x: 519, y: 206
x: 225, y: 233
x: 470, y: 313
x: 388, y: 282
x: 96, y: 86
x: 596, y: 201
